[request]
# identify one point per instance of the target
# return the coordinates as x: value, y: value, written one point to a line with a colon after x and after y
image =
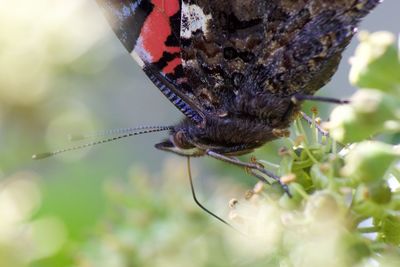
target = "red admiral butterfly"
x: 234, y: 68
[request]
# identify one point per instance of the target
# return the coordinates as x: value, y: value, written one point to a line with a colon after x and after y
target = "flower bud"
x: 364, y: 206
x: 376, y: 62
x: 379, y: 192
x: 390, y: 231
x: 369, y: 161
x: 375, y: 107
x: 368, y: 114
x: 345, y: 127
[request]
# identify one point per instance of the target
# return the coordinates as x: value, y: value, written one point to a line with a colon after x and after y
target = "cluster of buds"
x: 344, y: 187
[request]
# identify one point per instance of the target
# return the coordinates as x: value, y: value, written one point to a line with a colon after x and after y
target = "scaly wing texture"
x: 276, y: 47
x: 213, y: 52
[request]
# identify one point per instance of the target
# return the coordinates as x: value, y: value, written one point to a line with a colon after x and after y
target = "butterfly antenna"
x: 198, y: 202
x: 300, y: 97
x: 79, y: 137
x: 56, y: 152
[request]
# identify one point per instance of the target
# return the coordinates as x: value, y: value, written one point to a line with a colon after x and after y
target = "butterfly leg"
x: 251, y: 167
x: 310, y: 121
x: 299, y: 97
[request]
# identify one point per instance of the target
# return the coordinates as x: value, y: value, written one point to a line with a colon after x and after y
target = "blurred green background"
x: 63, y: 71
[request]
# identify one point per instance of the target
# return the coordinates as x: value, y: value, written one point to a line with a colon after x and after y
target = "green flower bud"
x: 364, y: 206
x: 376, y: 62
x: 369, y: 161
x: 375, y: 107
x: 379, y: 192
x: 390, y: 230
x: 345, y: 127
x: 369, y: 113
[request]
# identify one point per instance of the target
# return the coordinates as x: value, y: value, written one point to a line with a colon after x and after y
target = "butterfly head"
x: 180, y: 141
x: 233, y: 136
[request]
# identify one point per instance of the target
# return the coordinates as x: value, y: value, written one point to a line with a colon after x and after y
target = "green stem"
x: 334, y: 146
x: 299, y: 165
x: 269, y: 164
x: 310, y: 154
x: 371, y: 229
x: 303, y: 131
x: 296, y: 128
x: 314, y: 129
x: 300, y: 190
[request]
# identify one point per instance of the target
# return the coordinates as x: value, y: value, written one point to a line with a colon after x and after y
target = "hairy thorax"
x: 239, y: 131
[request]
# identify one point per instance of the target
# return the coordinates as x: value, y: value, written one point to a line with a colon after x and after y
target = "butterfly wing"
x: 150, y: 31
x: 306, y: 56
x: 205, y: 55
x: 245, y: 49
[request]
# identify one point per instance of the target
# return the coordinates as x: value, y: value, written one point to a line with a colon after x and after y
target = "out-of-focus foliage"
x: 40, y: 52
x: 144, y: 229
x: 38, y: 45
x: 23, y: 240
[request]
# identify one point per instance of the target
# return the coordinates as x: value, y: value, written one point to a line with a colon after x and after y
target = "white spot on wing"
x: 140, y: 54
x: 128, y: 10
x: 193, y: 19
x: 138, y: 60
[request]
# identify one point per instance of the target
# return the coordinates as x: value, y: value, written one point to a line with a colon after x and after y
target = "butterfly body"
x: 233, y: 67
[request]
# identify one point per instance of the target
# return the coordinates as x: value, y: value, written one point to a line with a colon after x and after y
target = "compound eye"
x: 180, y: 140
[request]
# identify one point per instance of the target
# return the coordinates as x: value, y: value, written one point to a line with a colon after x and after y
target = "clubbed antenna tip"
x: 42, y: 155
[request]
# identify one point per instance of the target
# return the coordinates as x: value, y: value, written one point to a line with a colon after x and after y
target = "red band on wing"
x: 168, y: 7
x: 156, y: 30
x: 172, y: 65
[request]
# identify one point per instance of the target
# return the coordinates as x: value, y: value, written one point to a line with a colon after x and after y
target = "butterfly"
x: 238, y: 70
x: 234, y: 67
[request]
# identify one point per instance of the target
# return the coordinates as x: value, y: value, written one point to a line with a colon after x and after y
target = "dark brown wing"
x: 277, y: 46
x: 303, y: 51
